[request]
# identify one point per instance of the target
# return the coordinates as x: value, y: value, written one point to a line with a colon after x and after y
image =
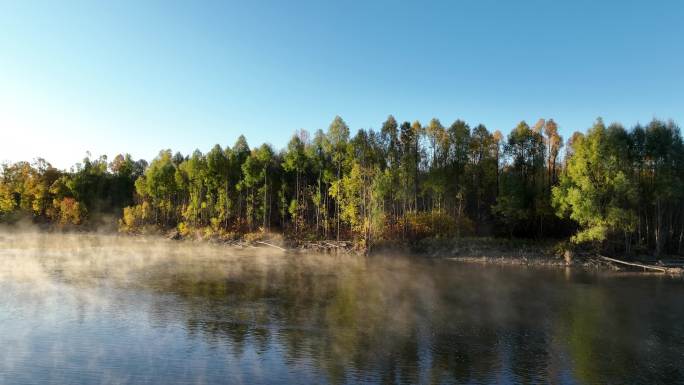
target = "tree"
x: 295, y: 160
x: 321, y: 162
x: 596, y: 189
x: 240, y: 153
x: 159, y: 184
x: 459, y: 151
x: 663, y: 154
x: 389, y: 137
x: 255, y: 171
x: 217, y: 179
x: 484, y: 170
x: 519, y: 194
x: 554, y: 142
x: 338, y: 137
x: 392, y: 153
x: 266, y: 158
x: 410, y: 146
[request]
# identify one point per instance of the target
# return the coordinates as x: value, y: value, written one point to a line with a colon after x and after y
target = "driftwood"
x: 637, y: 264
x: 268, y: 244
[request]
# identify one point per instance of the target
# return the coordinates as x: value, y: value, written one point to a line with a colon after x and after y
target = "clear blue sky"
x: 139, y: 76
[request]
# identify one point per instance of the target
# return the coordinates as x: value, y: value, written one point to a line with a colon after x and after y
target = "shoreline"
x: 472, y: 250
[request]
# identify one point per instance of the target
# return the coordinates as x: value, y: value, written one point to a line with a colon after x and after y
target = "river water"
x: 84, y: 309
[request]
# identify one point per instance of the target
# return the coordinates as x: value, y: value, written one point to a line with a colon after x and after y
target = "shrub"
x: 71, y: 212
x: 134, y: 217
x: 438, y: 225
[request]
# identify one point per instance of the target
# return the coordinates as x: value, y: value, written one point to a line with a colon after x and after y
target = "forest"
x: 608, y: 188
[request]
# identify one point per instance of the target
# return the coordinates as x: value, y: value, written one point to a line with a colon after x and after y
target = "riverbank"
x: 502, y: 251
x: 497, y: 251
x: 475, y: 250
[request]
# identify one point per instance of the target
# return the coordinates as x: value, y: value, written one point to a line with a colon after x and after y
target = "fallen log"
x: 268, y: 244
x: 636, y: 264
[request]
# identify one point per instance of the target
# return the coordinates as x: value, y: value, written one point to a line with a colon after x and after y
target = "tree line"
x: 616, y: 189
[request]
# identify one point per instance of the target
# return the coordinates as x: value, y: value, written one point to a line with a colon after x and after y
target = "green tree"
x: 159, y: 184
x: 295, y: 160
x: 338, y: 138
x: 596, y: 190
x: 519, y: 200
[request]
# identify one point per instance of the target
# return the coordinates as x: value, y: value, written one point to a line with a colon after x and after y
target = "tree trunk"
x: 681, y: 240
x: 337, y: 203
x: 628, y: 242
x: 265, y: 200
x: 659, y: 229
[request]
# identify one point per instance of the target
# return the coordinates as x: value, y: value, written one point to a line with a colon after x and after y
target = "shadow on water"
x: 86, y: 309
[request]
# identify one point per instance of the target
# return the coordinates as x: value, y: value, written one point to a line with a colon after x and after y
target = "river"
x: 87, y: 309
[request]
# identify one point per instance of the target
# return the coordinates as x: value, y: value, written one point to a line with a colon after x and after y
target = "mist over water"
x: 105, y: 309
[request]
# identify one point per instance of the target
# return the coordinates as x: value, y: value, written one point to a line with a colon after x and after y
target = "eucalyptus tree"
x: 338, y: 139
x: 240, y: 152
x: 255, y: 183
x: 159, y: 184
x: 321, y: 163
x: 457, y: 163
x: 554, y: 143
x: 410, y: 160
x: 196, y: 171
x: 267, y: 158
x: 437, y: 178
x: 295, y: 161
x: 484, y: 170
x: 519, y: 189
x: 391, y: 148
x: 663, y: 187
x: 217, y: 181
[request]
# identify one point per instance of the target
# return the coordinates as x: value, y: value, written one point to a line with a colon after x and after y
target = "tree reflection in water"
x: 393, y: 320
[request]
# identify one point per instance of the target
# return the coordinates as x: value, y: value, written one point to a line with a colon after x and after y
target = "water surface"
x: 85, y: 309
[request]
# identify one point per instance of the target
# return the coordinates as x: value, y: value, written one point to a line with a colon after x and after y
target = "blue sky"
x: 139, y: 76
